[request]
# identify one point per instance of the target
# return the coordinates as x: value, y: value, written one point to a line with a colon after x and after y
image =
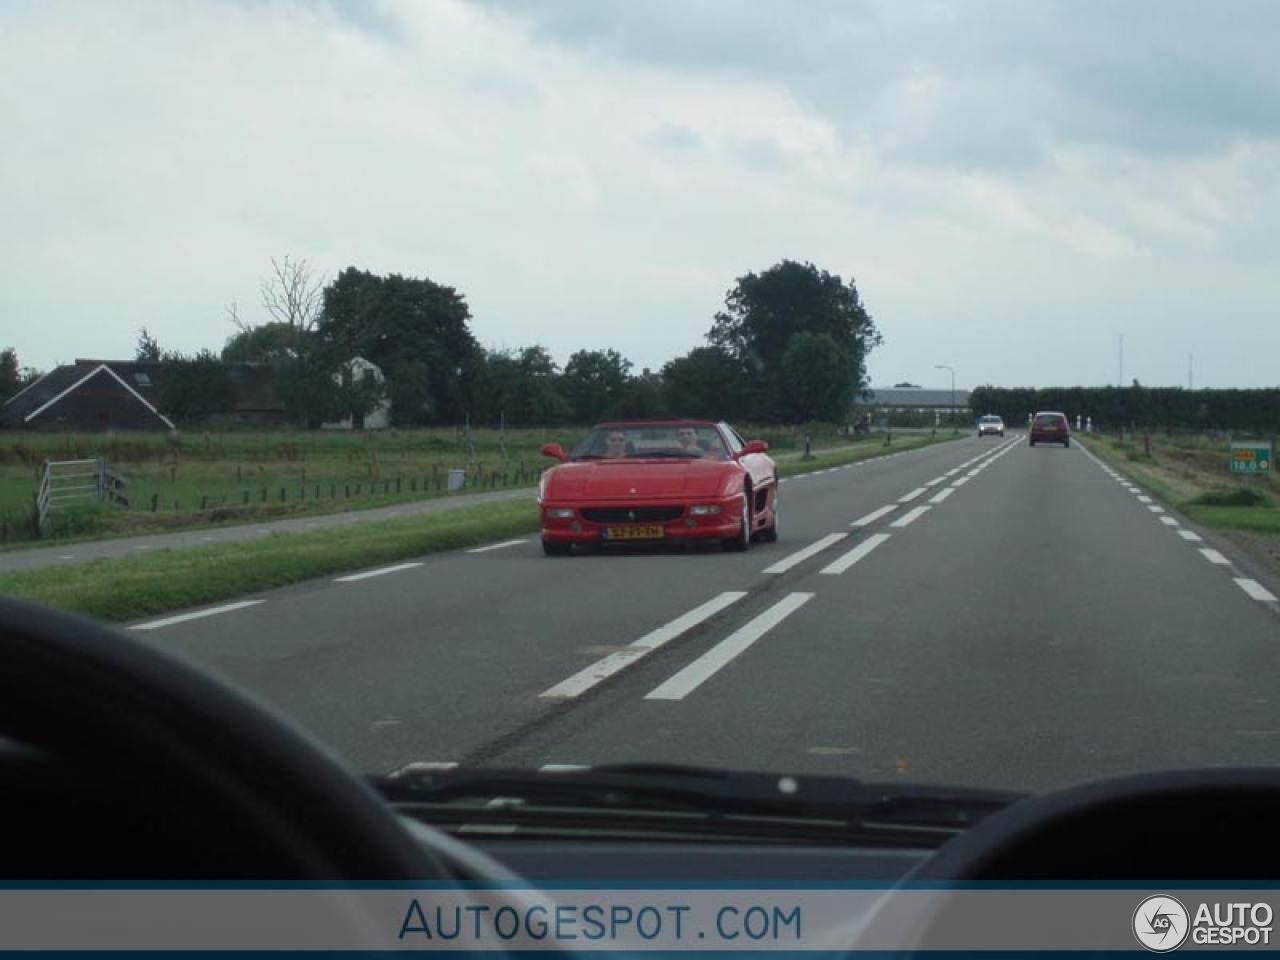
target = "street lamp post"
x: 943, y: 366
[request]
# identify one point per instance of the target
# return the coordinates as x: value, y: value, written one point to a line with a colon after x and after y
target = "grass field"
x: 183, y: 481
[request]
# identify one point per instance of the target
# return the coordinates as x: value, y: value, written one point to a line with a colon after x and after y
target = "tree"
x: 415, y: 330
x: 707, y: 382
x: 11, y: 380
x: 262, y: 344
x: 14, y: 378
x: 293, y: 295
x: 192, y: 389
x: 593, y: 382
x: 148, y: 349
x: 520, y: 387
x: 764, y: 311
x: 814, y: 380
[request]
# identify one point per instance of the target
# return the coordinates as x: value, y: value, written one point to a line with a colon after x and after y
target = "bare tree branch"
x: 293, y: 295
x: 233, y: 312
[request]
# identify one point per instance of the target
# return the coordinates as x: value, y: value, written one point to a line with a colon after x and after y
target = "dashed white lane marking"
x: 874, y: 515
x: 497, y: 546
x: 913, y: 494
x: 197, y: 615
x: 911, y: 516
x: 942, y: 495
x: 856, y: 554
x: 715, y: 659
x: 1254, y: 589
x: 381, y: 572
x: 1189, y: 535
x: 800, y: 556
x: 1213, y: 556
x: 602, y: 669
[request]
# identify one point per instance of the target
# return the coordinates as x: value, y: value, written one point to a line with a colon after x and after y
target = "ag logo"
x: 1161, y: 923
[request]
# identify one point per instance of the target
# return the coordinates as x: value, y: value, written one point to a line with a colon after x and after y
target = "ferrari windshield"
x: 684, y: 440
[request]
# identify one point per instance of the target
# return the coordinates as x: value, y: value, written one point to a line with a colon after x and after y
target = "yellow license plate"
x: 635, y: 533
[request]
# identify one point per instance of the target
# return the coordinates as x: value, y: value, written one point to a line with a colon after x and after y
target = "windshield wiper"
x: 692, y: 799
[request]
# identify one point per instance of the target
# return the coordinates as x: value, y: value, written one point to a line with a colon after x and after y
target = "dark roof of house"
x: 134, y: 385
x: 137, y: 384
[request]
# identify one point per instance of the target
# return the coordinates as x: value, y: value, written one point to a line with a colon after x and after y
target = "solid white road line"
x: 198, y: 615
x: 711, y: 662
x: 856, y: 554
x: 376, y: 573
x: 800, y: 556
x: 602, y: 669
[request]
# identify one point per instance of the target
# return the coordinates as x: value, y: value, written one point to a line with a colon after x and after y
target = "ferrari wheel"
x: 742, y: 540
x: 770, y: 533
x: 554, y: 548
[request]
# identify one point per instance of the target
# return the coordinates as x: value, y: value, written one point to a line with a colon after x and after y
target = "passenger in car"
x: 616, y: 446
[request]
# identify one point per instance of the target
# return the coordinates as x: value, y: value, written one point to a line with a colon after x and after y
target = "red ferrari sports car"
x: 659, y: 481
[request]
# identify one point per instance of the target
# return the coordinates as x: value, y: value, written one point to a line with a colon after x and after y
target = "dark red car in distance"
x: 1049, y: 426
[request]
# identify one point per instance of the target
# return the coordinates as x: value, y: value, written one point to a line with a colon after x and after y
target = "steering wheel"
x: 1195, y: 825
x: 1178, y: 827
x: 118, y: 761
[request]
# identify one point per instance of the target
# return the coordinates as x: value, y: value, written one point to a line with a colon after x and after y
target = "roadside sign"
x: 1250, y: 457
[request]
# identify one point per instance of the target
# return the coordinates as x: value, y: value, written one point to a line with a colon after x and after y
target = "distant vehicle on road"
x: 1050, y: 427
x: 990, y: 424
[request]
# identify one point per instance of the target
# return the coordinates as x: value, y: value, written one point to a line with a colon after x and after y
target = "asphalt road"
x: 979, y: 612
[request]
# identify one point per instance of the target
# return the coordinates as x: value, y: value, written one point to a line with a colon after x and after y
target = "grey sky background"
x: 1016, y: 186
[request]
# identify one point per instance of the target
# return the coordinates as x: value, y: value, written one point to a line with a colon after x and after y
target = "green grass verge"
x: 1239, y: 508
x: 139, y: 586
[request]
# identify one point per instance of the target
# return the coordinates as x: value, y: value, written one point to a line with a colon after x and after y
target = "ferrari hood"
x: 640, y: 479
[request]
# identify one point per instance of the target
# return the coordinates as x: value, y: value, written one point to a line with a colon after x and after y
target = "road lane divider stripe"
x: 719, y: 656
x: 913, y: 494
x: 1254, y: 589
x: 800, y: 556
x: 606, y: 667
x: 942, y: 495
x: 497, y: 546
x: 198, y: 615
x: 1189, y: 535
x: 1213, y: 556
x: 911, y: 516
x: 854, y: 555
x: 874, y: 515
x: 380, y: 572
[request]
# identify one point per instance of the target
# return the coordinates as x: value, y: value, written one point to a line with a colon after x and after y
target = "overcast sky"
x: 1031, y: 193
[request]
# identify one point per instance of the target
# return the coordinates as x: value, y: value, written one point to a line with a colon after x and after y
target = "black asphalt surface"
x: 979, y: 612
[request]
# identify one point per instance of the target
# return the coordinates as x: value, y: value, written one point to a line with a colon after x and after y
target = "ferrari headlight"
x: 559, y: 513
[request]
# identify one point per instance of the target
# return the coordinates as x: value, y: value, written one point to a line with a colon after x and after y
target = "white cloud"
x: 599, y: 179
